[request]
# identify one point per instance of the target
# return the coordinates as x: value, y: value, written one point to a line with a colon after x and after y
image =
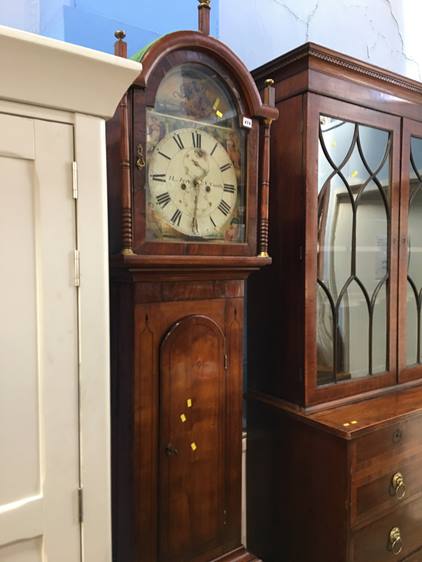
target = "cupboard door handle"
x: 171, y: 450
x: 395, y: 541
x: 399, y: 485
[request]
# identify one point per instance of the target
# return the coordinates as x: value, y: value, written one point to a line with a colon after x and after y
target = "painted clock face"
x: 195, y: 188
x: 193, y: 183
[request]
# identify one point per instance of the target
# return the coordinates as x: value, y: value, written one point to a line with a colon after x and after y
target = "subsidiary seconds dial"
x: 192, y: 183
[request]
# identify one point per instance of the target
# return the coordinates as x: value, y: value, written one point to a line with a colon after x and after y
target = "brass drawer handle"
x: 395, y: 541
x: 399, y: 485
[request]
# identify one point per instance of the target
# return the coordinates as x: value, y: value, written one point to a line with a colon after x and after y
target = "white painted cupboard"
x: 54, y: 354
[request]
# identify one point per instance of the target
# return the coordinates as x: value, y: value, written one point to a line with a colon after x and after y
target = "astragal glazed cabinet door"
x: 352, y: 231
x: 410, y: 270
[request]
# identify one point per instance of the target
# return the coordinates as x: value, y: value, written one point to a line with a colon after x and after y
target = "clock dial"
x: 196, y: 160
x: 193, y: 183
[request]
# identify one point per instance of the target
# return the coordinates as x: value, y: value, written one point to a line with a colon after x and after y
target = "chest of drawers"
x: 340, y: 485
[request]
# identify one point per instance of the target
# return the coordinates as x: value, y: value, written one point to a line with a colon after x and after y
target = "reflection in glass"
x: 379, y: 331
x: 324, y: 334
x: 414, y: 273
x: 335, y: 243
x: 412, y: 325
x: 373, y: 143
x: 353, y: 333
x: 337, y: 146
x: 415, y: 238
x: 353, y: 235
x: 371, y: 237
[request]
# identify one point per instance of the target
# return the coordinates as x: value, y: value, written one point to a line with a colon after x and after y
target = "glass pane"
x: 353, y: 331
x: 416, y: 147
x: 353, y: 234
x: 414, y: 273
x: 324, y: 338
x: 371, y: 237
x: 325, y: 170
x: 415, y: 239
x: 411, y: 327
x: 379, y: 332
x: 373, y: 143
x: 355, y: 172
x: 337, y: 138
x: 335, y: 235
x: 383, y: 176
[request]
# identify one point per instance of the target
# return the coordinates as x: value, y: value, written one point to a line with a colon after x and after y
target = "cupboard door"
x: 410, y: 271
x: 39, y: 437
x: 192, y: 440
x: 352, y: 229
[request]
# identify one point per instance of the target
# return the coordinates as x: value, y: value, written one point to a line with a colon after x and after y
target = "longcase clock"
x: 185, y: 151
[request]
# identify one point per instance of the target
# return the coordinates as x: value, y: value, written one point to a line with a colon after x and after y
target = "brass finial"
x: 269, y: 82
x: 204, y: 10
x: 120, y: 46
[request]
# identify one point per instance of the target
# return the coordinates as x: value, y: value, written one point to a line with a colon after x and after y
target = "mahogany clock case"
x: 334, y: 417
x: 177, y: 333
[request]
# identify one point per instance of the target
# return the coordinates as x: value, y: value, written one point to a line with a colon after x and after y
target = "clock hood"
x: 152, y: 54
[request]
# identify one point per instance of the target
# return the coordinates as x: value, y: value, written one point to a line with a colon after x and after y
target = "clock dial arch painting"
x: 195, y: 157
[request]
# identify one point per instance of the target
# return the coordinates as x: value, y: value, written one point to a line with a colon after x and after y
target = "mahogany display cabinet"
x: 335, y: 402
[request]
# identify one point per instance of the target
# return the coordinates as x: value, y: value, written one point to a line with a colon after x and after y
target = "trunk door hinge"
x: 77, y: 268
x: 81, y: 504
x: 75, y: 180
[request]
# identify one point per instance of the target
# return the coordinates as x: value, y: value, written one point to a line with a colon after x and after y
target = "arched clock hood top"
x: 152, y: 54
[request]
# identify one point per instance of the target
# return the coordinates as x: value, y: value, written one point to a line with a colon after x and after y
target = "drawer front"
x: 374, y: 542
x: 388, y: 443
x: 399, y: 481
x: 415, y: 557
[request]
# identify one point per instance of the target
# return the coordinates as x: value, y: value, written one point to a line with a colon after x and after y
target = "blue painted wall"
x: 92, y: 23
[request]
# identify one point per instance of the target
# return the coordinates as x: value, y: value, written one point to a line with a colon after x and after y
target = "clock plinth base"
x: 238, y: 555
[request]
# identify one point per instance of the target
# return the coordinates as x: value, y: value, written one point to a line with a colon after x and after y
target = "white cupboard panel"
x: 19, y: 405
x: 16, y: 142
x: 25, y: 551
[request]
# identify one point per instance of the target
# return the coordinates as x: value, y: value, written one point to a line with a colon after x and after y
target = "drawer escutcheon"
x: 397, y: 436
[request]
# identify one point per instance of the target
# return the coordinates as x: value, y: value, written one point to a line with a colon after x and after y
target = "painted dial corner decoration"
x: 195, y: 185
